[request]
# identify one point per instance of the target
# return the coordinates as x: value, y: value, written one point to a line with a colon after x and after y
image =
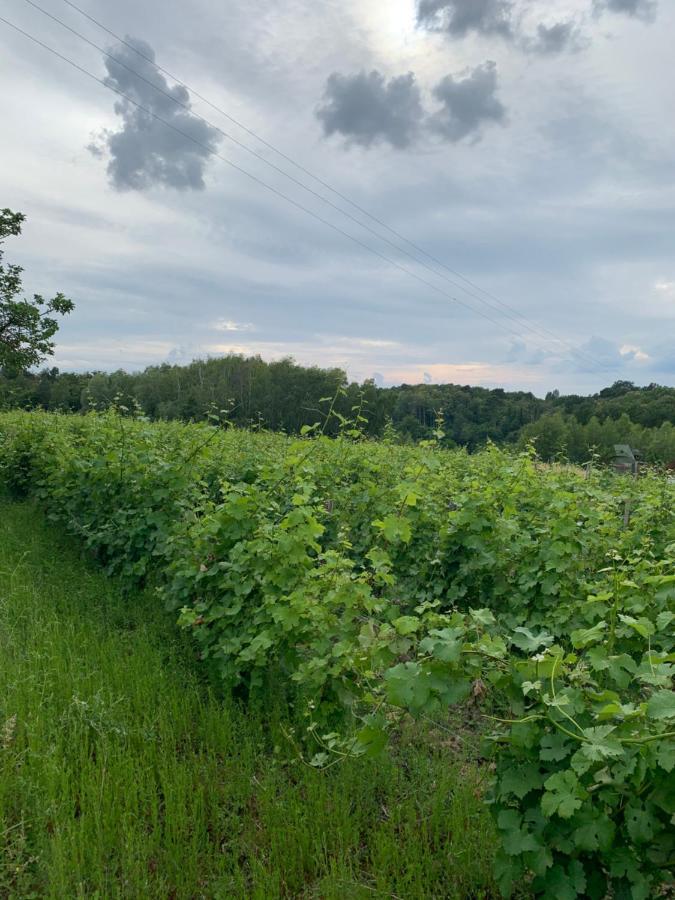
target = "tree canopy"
x: 283, y: 396
x: 26, y: 326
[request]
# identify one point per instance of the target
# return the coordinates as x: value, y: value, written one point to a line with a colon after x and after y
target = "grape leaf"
x: 595, y: 833
x: 582, y: 637
x: 524, y: 639
x: 662, y: 705
x: 554, y: 747
x: 483, y: 616
x: 562, y: 796
x: 515, y: 839
x: 564, y: 884
x: 666, y: 755
x: 520, y: 780
x: 639, y: 824
x: 394, y: 529
x: 407, y: 686
x: 599, y: 746
x: 407, y: 624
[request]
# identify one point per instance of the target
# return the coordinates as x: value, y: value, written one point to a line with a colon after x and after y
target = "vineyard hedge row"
x: 374, y: 578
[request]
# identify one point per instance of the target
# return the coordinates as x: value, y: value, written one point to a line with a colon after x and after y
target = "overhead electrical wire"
x: 257, y: 180
x: 534, y: 328
x: 248, y: 174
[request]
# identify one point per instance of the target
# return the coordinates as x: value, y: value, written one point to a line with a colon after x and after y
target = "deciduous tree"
x: 26, y: 326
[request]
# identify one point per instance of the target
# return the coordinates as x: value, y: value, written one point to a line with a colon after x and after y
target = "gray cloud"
x: 640, y: 9
x: 459, y: 17
x: 554, y: 39
x: 144, y: 153
x: 569, y: 220
x: 468, y: 103
x: 366, y: 109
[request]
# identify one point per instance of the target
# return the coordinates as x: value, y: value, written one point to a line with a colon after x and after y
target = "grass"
x: 123, y: 776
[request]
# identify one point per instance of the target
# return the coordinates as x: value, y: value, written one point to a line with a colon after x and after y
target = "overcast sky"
x: 528, y: 145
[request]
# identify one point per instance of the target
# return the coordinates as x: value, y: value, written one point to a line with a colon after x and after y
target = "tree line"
x: 284, y: 396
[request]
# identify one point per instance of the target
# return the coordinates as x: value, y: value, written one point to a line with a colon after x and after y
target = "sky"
x: 526, y: 146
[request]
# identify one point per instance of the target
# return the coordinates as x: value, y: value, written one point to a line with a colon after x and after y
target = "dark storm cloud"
x: 145, y: 152
x: 640, y: 9
x: 459, y: 17
x: 468, y: 103
x: 366, y: 109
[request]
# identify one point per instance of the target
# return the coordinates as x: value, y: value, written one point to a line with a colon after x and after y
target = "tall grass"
x: 122, y: 775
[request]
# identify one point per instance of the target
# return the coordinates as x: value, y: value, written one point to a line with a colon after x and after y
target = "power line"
x: 519, y: 318
x: 249, y: 175
x: 187, y: 107
x: 254, y: 178
x: 276, y: 168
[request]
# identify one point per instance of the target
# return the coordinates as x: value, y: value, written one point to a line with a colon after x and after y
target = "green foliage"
x: 124, y: 775
x: 367, y: 578
x: 560, y: 436
x: 26, y: 326
x: 283, y: 396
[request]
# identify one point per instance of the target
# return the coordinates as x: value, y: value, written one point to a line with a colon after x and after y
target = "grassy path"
x: 122, y: 776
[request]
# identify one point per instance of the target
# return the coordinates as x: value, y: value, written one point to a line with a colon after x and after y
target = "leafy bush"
x: 372, y: 577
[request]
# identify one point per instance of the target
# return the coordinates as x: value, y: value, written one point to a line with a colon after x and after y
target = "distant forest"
x: 284, y: 396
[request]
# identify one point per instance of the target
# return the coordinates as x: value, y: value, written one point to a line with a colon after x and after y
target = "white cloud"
x: 230, y: 325
x: 630, y: 351
x: 483, y: 374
